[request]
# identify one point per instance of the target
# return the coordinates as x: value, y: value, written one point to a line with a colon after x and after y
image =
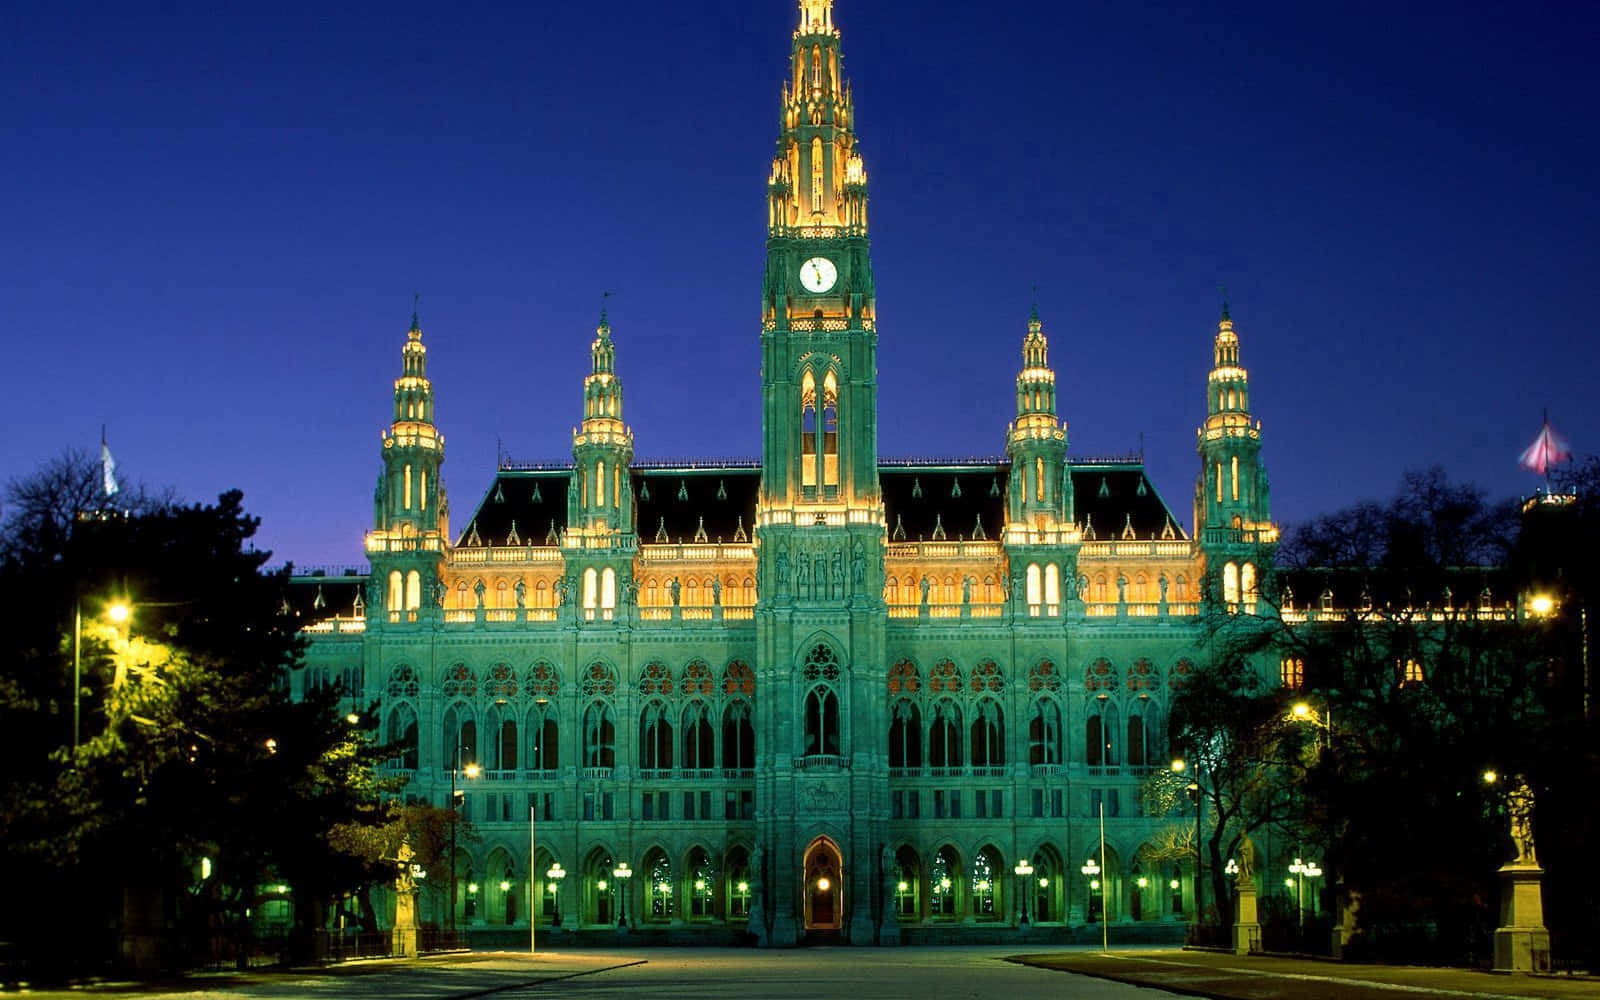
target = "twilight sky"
x: 215, y: 222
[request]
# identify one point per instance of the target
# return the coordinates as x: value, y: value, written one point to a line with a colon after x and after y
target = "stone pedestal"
x: 403, y: 938
x: 1521, y: 943
x: 1246, y: 925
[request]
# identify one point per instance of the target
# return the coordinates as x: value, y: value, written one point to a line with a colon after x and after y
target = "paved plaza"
x: 663, y: 974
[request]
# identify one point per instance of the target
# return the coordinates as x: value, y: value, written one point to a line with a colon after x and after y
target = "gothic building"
x: 818, y: 695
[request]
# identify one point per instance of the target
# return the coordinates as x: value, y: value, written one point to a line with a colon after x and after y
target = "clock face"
x: 818, y: 275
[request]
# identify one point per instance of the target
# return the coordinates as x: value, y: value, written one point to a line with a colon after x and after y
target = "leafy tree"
x: 192, y: 746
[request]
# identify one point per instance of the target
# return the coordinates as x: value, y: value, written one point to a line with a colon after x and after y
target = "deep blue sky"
x: 214, y: 224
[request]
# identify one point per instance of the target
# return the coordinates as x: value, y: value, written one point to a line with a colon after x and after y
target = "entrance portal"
x: 824, y: 886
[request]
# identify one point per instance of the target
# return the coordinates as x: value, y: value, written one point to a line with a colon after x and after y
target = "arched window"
x: 1139, y: 749
x: 655, y: 737
x: 699, y: 750
x: 591, y: 588
x: 808, y: 430
x: 1044, y: 733
x: 905, y: 735
x: 501, y: 595
x: 1247, y: 584
x: 1052, y: 585
x: 396, y: 596
x: 544, y: 743
x: 599, y: 736
x: 984, y: 883
x: 1035, y: 594
x: 942, y: 877
x: 908, y: 886
x: 608, y: 590
x: 599, y: 890
x: 830, y: 431
x: 816, y: 171
x: 1094, y: 741
x: 658, y: 887
x: 738, y: 737
x: 738, y: 884
x: 988, y: 735
x: 460, y: 734
x: 702, y: 886
x: 505, y: 744
x: 462, y: 601
x: 1292, y: 672
x: 413, y: 590
x: 1181, y: 585
x: 821, y: 671
x: 944, y: 739
x: 822, y: 722
x: 400, y: 733
x: 1230, y: 585
x: 599, y: 484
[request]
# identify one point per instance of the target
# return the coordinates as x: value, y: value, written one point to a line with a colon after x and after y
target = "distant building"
x: 818, y: 695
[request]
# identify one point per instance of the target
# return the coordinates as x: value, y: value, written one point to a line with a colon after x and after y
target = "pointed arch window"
x: 821, y: 710
x: 544, y: 739
x: 738, y: 738
x: 600, y: 484
x: 413, y: 590
x: 1035, y: 588
x: 1052, y: 587
x: 396, y: 596
x: 1143, y: 749
x: 699, y: 744
x: 988, y: 735
x: 905, y: 735
x: 591, y: 590
x: 1247, y: 586
x: 830, y: 432
x: 944, y: 737
x: 608, y: 592
x: 1230, y: 586
x: 400, y: 733
x: 1044, y: 733
x: 1100, y: 735
x: 808, y: 431
x: 942, y: 875
x: 655, y: 737
x: 816, y: 175
x: 599, y: 736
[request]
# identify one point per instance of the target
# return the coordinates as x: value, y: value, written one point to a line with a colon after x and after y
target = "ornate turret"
x: 601, y: 539
x: 600, y: 502
x: 410, y: 511
x: 1232, y: 510
x: 1040, y: 500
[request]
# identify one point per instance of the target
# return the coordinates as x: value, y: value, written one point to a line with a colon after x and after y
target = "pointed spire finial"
x: 1033, y: 317
x: 605, y: 324
x: 416, y: 297
x: 1223, y: 289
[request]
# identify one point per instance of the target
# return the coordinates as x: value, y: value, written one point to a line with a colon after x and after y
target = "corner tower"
x: 410, y: 512
x: 1232, y: 507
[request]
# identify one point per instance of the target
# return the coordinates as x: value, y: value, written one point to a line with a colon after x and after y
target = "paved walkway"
x: 1229, y: 977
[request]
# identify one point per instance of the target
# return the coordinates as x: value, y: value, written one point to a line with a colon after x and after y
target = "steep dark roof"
x: 1109, y: 498
x: 675, y: 501
x: 922, y: 501
x: 533, y: 502
x: 675, y: 504
x: 322, y: 594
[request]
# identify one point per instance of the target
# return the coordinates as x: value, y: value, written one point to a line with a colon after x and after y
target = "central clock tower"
x: 821, y: 784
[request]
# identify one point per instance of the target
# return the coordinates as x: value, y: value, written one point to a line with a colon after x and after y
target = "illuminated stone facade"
x: 818, y: 695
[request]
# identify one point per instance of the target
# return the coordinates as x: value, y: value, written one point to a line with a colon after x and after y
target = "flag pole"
x: 533, y: 879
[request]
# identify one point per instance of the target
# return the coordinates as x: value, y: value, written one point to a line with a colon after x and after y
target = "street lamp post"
x: 119, y: 613
x: 555, y: 874
x: 471, y: 771
x: 1091, y: 871
x: 1193, y: 789
x: 622, y: 873
x: 1023, y: 869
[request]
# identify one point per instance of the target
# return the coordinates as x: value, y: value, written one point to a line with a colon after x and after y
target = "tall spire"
x: 1040, y: 505
x: 600, y: 500
x: 818, y: 180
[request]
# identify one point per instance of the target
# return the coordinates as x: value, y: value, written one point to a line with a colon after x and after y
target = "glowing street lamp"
x: 1022, y: 870
x: 456, y: 796
x: 622, y: 873
x: 117, y: 613
x: 555, y: 874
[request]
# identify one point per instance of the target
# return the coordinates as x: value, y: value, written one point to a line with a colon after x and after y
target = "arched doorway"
x: 824, y: 886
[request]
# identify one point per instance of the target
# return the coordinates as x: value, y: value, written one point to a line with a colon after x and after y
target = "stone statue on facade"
x: 563, y: 590
x: 1161, y: 581
x: 676, y: 587
x: 925, y: 585
x: 837, y: 576
x: 716, y: 590
x: 966, y: 590
x: 440, y: 592
x: 630, y: 588
x: 802, y: 575
x: 1247, y: 860
x: 522, y: 594
x: 1122, y: 589
x: 374, y: 593
x: 783, y: 565
x: 858, y: 566
x: 477, y: 591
